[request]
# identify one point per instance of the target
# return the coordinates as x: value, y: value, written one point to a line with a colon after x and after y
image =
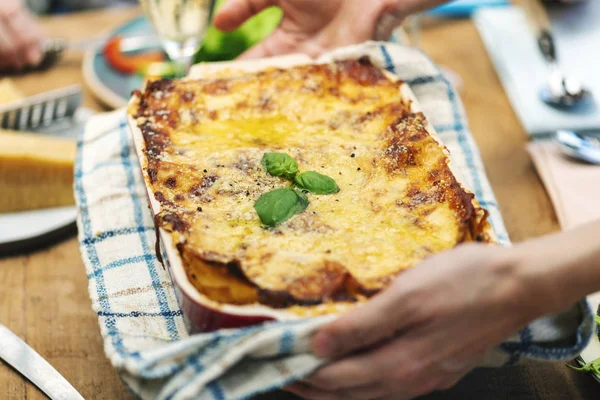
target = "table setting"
x: 532, y: 172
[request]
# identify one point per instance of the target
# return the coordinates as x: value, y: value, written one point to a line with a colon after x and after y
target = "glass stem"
x: 182, y: 52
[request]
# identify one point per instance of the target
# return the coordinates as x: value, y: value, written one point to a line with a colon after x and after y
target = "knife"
x: 28, y: 362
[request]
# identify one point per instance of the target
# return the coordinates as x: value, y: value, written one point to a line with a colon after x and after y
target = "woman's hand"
x: 427, y: 330
x: 20, y: 36
x: 308, y: 26
x: 315, y: 26
x: 436, y: 321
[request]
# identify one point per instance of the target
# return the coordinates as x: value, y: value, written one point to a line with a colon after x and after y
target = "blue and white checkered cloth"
x: 140, y: 320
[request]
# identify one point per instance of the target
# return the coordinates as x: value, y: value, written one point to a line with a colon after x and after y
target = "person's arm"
x: 20, y: 36
x: 315, y: 26
x: 437, y: 320
x: 562, y: 267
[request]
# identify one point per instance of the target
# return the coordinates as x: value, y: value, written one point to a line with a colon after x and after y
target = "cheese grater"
x: 41, y: 110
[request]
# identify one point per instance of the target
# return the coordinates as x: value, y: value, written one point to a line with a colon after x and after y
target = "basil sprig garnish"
x: 279, y: 205
x: 594, y: 365
x: 316, y: 183
x: 280, y: 164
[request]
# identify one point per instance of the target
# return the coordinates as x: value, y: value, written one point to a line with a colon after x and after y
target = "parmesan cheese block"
x: 36, y: 171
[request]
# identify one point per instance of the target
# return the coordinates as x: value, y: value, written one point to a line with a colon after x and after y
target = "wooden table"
x: 44, y: 298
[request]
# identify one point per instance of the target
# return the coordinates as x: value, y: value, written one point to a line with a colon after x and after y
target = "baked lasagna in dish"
x: 203, y: 145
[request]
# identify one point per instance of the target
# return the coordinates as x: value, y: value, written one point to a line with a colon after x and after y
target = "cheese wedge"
x: 36, y: 171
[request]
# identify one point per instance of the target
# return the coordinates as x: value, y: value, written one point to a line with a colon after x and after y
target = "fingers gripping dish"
x: 207, y: 148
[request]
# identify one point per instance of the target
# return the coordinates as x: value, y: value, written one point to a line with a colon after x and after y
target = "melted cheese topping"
x: 398, y: 201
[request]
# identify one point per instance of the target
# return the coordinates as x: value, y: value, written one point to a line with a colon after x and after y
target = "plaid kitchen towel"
x: 141, y: 323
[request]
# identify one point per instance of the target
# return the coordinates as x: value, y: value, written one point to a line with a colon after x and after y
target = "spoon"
x: 560, y: 91
x: 582, y: 147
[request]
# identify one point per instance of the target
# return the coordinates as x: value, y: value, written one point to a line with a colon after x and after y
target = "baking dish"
x: 202, y: 313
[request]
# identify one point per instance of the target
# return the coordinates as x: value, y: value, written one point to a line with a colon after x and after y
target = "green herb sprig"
x: 316, y: 183
x: 594, y: 365
x: 279, y: 205
x: 280, y: 164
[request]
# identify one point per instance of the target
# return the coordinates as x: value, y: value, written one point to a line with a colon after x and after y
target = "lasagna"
x: 398, y: 200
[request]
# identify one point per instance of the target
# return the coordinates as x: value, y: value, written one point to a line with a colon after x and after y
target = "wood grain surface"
x: 43, y: 295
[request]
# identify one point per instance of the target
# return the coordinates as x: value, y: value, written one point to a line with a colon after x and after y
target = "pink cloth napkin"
x: 573, y: 186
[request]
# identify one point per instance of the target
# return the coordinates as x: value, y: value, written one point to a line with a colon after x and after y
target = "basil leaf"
x: 280, y: 164
x: 316, y: 183
x: 278, y: 205
x: 302, y: 197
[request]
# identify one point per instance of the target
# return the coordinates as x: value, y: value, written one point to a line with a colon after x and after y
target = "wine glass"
x: 181, y: 26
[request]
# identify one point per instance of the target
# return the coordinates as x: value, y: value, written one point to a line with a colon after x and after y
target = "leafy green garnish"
x: 316, y: 183
x: 225, y: 46
x: 278, y: 205
x: 280, y: 164
x: 594, y: 365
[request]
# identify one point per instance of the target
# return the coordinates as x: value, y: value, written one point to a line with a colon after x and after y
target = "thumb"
x: 235, y: 12
x: 382, y: 317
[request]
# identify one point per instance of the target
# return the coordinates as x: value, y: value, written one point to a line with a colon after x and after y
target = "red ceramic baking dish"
x: 201, y: 313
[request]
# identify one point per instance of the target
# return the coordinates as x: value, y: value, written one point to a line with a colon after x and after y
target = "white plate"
x: 30, y: 228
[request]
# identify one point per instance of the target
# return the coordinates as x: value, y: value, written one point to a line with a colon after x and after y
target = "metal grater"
x: 41, y: 110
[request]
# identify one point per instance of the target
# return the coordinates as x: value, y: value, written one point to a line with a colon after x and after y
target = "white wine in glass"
x: 180, y: 24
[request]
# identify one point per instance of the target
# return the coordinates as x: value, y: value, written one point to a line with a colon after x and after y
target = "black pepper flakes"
x: 205, y: 171
x: 352, y: 155
x: 358, y: 169
x: 199, y: 209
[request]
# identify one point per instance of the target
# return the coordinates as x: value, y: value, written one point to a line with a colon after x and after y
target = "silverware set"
x: 561, y: 91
